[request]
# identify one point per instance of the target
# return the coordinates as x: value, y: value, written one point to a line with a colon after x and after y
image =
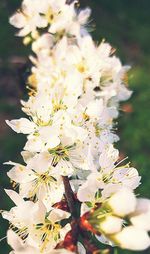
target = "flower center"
x: 81, y: 67
x: 60, y: 153
x: 48, y: 231
x: 58, y: 105
x: 50, y: 15
x: 40, y: 180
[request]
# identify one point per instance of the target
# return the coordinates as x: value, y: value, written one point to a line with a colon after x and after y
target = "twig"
x: 69, y: 196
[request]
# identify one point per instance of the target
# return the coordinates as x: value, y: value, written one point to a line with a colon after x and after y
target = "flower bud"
x: 141, y: 217
x: 132, y: 238
x: 111, y: 225
x: 27, y: 40
x: 35, y: 35
x: 122, y: 202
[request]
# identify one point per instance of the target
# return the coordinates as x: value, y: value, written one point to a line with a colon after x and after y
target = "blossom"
x: 28, y: 19
x: 19, y: 217
x: 38, y: 180
x: 109, y: 178
x: 32, y: 221
x: 48, y: 232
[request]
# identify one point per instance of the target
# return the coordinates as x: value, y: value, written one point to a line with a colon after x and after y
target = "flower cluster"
x: 75, y: 87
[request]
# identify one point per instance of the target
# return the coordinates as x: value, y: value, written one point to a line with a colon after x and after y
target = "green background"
x: 126, y: 25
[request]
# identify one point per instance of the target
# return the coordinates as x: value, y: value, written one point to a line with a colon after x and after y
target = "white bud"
x: 123, y: 202
x: 132, y: 238
x: 141, y: 217
x: 111, y: 225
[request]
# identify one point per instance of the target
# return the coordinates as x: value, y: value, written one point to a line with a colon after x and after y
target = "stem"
x: 72, y: 203
x: 69, y: 196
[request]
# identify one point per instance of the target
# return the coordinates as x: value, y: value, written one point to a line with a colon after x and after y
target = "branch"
x: 69, y: 196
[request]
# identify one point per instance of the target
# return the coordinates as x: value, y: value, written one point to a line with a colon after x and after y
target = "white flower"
x: 67, y: 157
x: 48, y: 232
x: 132, y: 238
x: 38, y: 180
x: 85, y: 59
x: 122, y: 202
x: 34, y: 223
x: 110, y: 178
x: 24, y: 214
x: 58, y: 15
x: 28, y: 19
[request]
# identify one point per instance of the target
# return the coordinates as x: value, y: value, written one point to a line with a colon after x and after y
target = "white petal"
x: 53, y: 141
x: 40, y: 162
x: 14, y: 240
x: 21, y: 174
x: 58, y: 215
x: 18, y: 20
x: 34, y: 144
x: 84, y: 15
x: 81, y: 249
x: 15, y: 197
x: 65, y: 230
x: 22, y: 125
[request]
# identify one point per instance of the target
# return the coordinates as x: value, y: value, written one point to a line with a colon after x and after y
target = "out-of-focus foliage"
x: 126, y: 25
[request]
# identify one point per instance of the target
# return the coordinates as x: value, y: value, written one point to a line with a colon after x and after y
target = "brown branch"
x: 70, y: 241
x: 69, y: 196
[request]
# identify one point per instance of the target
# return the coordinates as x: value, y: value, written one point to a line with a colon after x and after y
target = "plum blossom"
x: 32, y: 220
x: 109, y: 178
x: 38, y: 180
x: 72, y: 179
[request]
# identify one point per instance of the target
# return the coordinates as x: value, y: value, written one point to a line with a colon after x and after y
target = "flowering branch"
x: 73, y: 188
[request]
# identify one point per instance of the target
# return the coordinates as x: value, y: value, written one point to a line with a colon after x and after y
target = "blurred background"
x: 125, y: 24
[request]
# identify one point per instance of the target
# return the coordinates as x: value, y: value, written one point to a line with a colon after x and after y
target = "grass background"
x: 126, y: 25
